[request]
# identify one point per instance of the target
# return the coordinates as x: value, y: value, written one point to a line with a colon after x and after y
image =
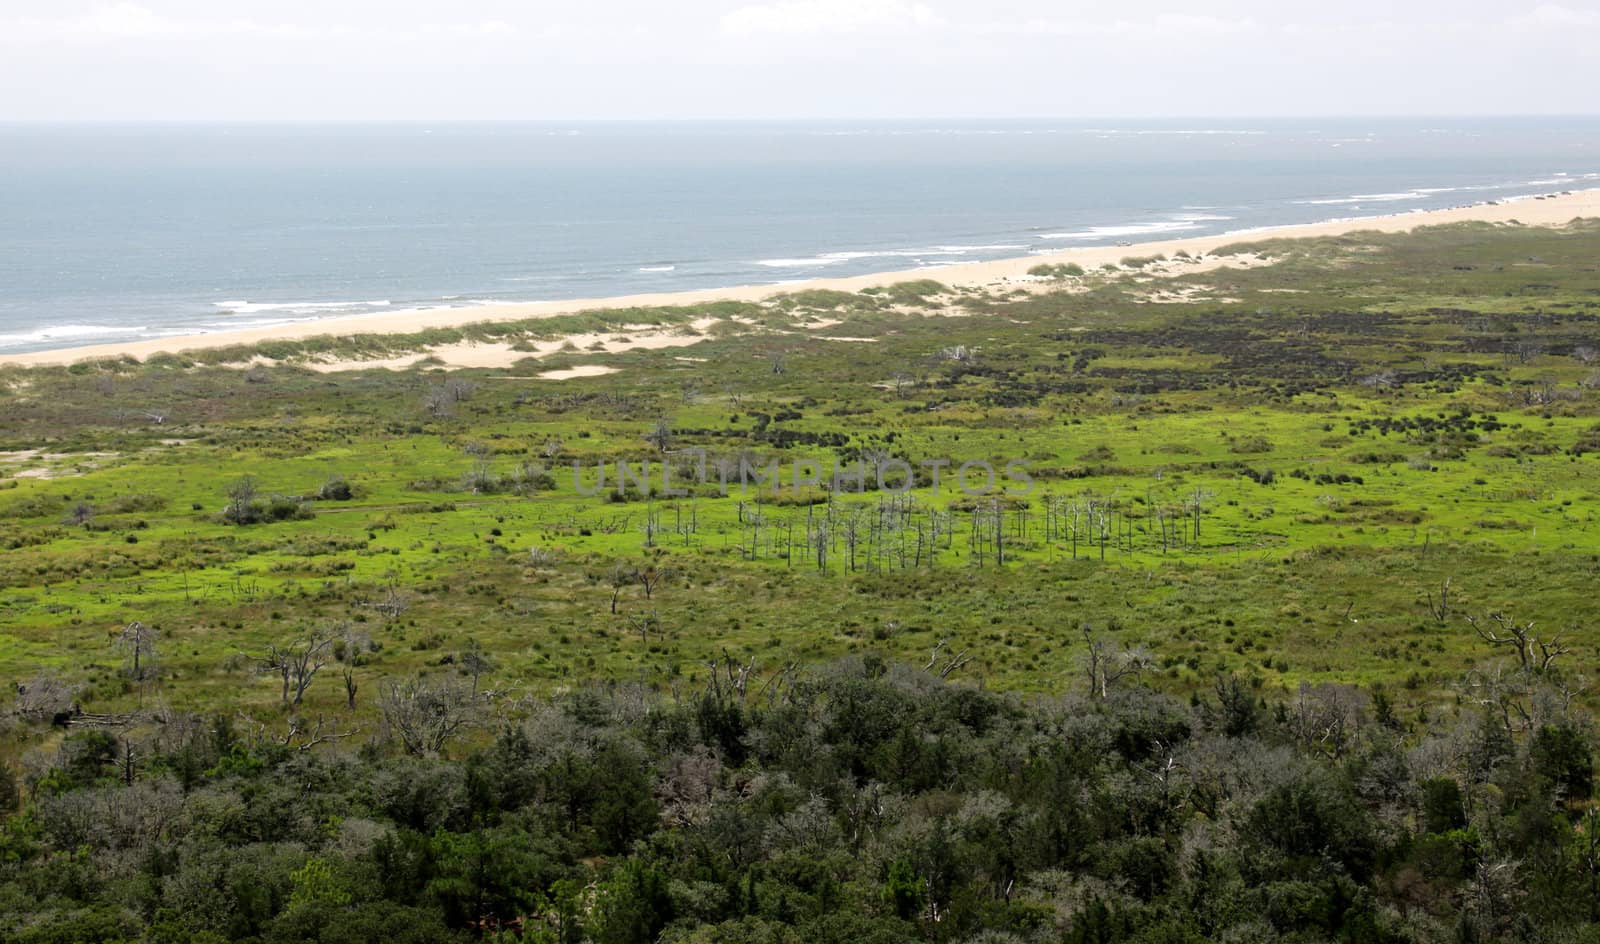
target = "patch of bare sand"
x: 57, y: 465
x: 1186, y: 294
x: 573, y: 373
x: 498, y: 355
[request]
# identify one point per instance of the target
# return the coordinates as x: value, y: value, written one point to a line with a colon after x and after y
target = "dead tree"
x: 297, y: 663
x: 622, y: 576
x: 298, y: 733
x: 475, y: 662
x: 349, y: 651
x: 440, y: 399
x: 645, y: 625
x: 138, y: 641
x: 738, y: 675
x: 393, y: 605
x: 660, y: 435
x: 1535, y: 656
x: 949, y: 665
x: 1324, y: 717
x: 426, y: 714
x: 1106, y: 666
x: 1440, y: 608
x: 650, y: 578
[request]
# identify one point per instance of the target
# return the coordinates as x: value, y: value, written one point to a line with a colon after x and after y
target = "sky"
x: 784, y: 59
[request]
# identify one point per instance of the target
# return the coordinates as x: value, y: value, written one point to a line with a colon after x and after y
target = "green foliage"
x: 316, y: 883
x: 647, y: 736
x: 1564, y: 755
x: 873, y: 801
x: 1442, y: 809
x: 1070, y: 270
x: 633, y: 907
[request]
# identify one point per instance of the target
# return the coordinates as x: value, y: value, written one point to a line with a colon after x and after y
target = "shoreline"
x: 1547, y: 210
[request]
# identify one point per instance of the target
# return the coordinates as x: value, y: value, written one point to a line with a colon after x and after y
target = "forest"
x: 859, y: 800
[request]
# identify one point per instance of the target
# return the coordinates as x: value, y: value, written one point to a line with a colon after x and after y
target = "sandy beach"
x: 1549, y: 210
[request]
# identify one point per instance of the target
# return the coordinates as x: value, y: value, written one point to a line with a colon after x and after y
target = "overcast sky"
x: 525, y: 59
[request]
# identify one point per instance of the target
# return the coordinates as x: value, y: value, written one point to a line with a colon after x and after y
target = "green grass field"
x: 1274, y: 478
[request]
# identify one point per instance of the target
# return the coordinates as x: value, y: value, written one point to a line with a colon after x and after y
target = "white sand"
x: 1555, y: 210
x: 572, y: 373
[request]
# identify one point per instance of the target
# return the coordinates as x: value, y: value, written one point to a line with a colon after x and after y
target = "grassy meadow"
x: 1309, y: 470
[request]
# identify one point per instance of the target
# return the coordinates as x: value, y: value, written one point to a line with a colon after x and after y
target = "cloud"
x: 810, y: 17
x: 126, y: 22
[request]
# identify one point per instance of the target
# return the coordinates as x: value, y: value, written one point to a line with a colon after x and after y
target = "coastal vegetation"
x: 1271, y: 624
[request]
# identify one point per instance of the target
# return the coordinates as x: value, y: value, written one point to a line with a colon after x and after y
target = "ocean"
x: 113, y: 232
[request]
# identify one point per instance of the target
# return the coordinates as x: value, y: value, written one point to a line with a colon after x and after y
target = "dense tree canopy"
x: 862, y: 801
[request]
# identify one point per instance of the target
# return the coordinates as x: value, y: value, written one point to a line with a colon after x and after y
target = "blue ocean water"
x: 115, y: 232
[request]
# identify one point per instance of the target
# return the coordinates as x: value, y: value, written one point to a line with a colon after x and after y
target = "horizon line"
x: 748, y: 119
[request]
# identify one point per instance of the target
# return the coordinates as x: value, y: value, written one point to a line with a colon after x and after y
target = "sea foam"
x: 834, y: 258
x: 70, y: 332
x: 252, y: 308
x: 1129, y: 229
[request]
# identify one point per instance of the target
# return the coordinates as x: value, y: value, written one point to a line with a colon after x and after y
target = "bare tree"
x: 660, y: 435
x: 393, y: 604
x: 645, y: 625
x: 138, y: 641
x: 949, y: 664
x: 475, y: 662
x: 298, y: 733
x: 297, y: 663
x: 350, y: 649
x: 440, y: 399
x: 1324, y: 717
x: 426, y: 714
x: 650, y: 578
x: 1440, y: 608
x: 1534, y: 655
x: 1527, y: 349
x: 1106, y: 666
x: 738, y: 675
x: 622, y: 576
x: 900, y: 382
